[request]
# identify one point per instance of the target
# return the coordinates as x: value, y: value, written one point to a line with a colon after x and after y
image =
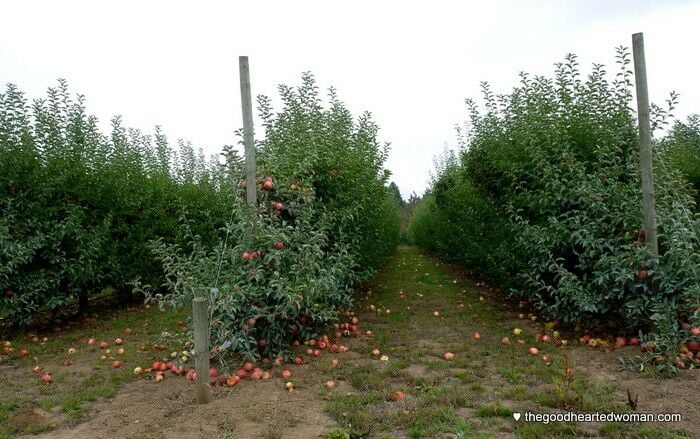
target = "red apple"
x: 232, y: 380
x: 398, y: 395
x: 693, y: 346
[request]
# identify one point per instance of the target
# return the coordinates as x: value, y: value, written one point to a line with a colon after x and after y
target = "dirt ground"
x: 143, y: 409
x: 474, y: 395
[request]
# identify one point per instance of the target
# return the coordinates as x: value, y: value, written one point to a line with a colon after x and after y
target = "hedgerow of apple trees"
x: 545, y: 197
x: 682, y: 148
x: 79, y: 208
x: 324, y: 220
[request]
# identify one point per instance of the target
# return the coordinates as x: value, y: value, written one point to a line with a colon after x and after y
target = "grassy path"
x: 476, y: 394
x: 472, y: 396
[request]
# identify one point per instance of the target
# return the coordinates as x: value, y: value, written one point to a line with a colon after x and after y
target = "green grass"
x: 494, y: 410
x: 472, y: 396
x: 536, y: 430
x: 511, y: 375
x: 486, y: 380
x: 89, y: 379
x: 617, y: 430
x: 73, y: 407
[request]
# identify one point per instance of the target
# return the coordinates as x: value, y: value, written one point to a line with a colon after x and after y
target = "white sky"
x: 410, y: 63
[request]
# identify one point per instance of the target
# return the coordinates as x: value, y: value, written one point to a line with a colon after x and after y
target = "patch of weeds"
x: 354, y: 412
x: 398, y: 317
x: 618, y: 430
x: 252, y: 413
x: 366, y: 377
x: 660, y: 433
x: 536, y: 430
x: 227, y: 428
x: 337, y: 434
x: 422, y: 385
x: 463, y: 429
x: 517, y: 393
x: 596, y: 397
x: 272, y: 433
x: 511, y: 375
x: 478, y: 388
x: 548, y: 398
x: 481, y: 371
x: 395, y: 368
x: 494, y: 411
x: 465, y: 377
x: 73, y: 407
x: 437, y: 365
x: 47, y: 403
x: 428, y: 421
x: 5, y: 409
x: 453, y: 396
x: 38, y: 428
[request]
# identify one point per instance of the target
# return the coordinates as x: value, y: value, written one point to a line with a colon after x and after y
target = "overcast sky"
x: 410, y: 63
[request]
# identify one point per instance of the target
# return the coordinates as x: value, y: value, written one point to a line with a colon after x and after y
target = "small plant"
x: 564, y: 382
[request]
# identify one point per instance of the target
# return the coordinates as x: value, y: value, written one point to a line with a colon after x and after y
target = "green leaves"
x: 545, y: 197
x: 79, y: 207
x: 328, y: 205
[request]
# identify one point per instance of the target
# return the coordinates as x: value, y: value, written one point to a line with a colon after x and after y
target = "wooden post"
x: 645, y: 161
x: 200, y: 317
x: 248, y: 138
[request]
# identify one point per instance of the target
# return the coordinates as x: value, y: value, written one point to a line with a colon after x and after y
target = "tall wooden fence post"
x: 645, y: 161
x: 248, y: 139
x: 200, y: 317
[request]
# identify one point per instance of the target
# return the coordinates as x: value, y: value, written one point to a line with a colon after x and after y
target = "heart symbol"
x: 516, y: 416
